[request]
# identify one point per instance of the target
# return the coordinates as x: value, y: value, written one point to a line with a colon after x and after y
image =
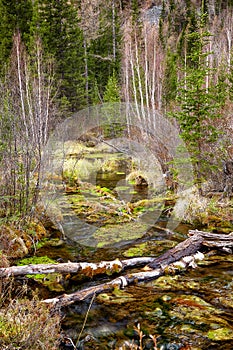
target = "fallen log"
x: 187, y: 247
x: 183, y: 255
x: 86, y: 269
x: 214, y: 240
x: 191, y: 245
x: 123, y: 281
x: 195, y: 242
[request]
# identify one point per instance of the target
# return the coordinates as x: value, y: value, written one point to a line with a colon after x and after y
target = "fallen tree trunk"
x: 197, y: 240
x: 183, y: 255
x: 214, y: 240
x: 187, y: 247
x: 190, y: 246
x: 86, y: 269
x: 122, y: 282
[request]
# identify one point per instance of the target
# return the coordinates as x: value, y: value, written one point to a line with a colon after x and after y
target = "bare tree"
x: 143, y: 67
x: 27, y: 111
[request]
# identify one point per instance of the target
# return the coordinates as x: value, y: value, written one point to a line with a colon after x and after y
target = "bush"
x: 27, y: 324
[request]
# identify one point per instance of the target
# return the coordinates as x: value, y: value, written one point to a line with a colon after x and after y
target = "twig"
x: 85, y: 320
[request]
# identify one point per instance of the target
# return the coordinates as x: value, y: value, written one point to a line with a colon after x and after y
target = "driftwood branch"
x: 213, y: 239
x: 185, y: 248
x: 182, y: 256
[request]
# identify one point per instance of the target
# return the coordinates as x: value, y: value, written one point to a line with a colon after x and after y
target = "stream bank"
x: 107, y: 217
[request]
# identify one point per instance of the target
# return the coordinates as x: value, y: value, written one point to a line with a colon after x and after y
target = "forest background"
x: 58, y: 57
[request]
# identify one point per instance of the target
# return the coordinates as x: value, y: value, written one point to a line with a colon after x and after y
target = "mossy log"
x: 86, y: 269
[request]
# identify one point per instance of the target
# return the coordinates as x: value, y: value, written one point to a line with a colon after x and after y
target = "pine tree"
x: 57, y: 23
x: 111, y: 93
x: 170, y: 78
x: 199, y: 103
x: 103, y: 46
x: 111, y: 109
x: 15, y: 16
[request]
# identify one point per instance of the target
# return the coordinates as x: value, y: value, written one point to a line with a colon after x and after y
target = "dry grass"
x: 26, y: 324
x: 139, y: 346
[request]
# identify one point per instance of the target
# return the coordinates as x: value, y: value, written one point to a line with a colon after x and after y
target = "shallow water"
x: 192, y: 310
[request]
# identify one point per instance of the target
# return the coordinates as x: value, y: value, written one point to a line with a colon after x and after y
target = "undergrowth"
x: 26, y: 324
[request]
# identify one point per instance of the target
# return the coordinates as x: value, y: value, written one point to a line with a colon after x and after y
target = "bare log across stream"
x: 123, y: 281
x: 86, y: 269
x: 183, y: 255
x: 188, y: 247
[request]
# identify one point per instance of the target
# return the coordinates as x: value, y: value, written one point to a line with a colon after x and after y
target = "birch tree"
x: 143, y: 67
x: 27, y: 112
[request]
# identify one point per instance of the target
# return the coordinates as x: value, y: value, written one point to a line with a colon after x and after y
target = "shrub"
x: 27, y: 324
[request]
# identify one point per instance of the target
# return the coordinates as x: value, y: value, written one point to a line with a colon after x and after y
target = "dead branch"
x: 193, y: 244
x: 188, y: 247
x: 184, y: 255
x: 214, y: 240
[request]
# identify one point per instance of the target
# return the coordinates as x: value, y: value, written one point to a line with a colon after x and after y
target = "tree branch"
x: 122, y: 282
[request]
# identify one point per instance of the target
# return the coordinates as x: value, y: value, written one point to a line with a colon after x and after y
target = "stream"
x: 107, y: 217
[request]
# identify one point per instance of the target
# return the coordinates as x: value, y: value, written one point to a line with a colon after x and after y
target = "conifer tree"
x: 104, y: 47
x: 199, y: 101
x: 56, y: 22
x: 170, y: 78
x: 111, y: 93
x: 111, y: 109
x: 15, y: 16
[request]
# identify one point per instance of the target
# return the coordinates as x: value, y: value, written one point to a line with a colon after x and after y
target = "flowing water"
x: 190, y: 310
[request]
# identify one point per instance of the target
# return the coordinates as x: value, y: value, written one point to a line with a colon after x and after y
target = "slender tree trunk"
x: 114, y: 30
x: 86, y: 71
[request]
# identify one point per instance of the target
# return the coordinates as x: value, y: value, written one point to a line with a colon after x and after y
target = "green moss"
x: 49, y: 280
x: 137, y: 251
x: 111, y: 234
x: 222, y: 333
x: 41, y: 243
x: 34, y: 260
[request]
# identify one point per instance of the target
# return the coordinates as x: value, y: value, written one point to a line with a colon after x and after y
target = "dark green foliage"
x: 199, y: 103
x: 112, y: 93
x: 170, y: 77
x: 82, y: 64
x: 56, y: 22
x: 15, y: 16
x: 135, y: 10
x: 103, y: 51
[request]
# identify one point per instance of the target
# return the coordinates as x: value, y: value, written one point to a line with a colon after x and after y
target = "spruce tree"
x: 170, y: 78
x: 104, y: 48
x: 199, y: 103
x: 111, y: 109
x: 15, y: 16
x: 111, y: 93
x: 56, y: 22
